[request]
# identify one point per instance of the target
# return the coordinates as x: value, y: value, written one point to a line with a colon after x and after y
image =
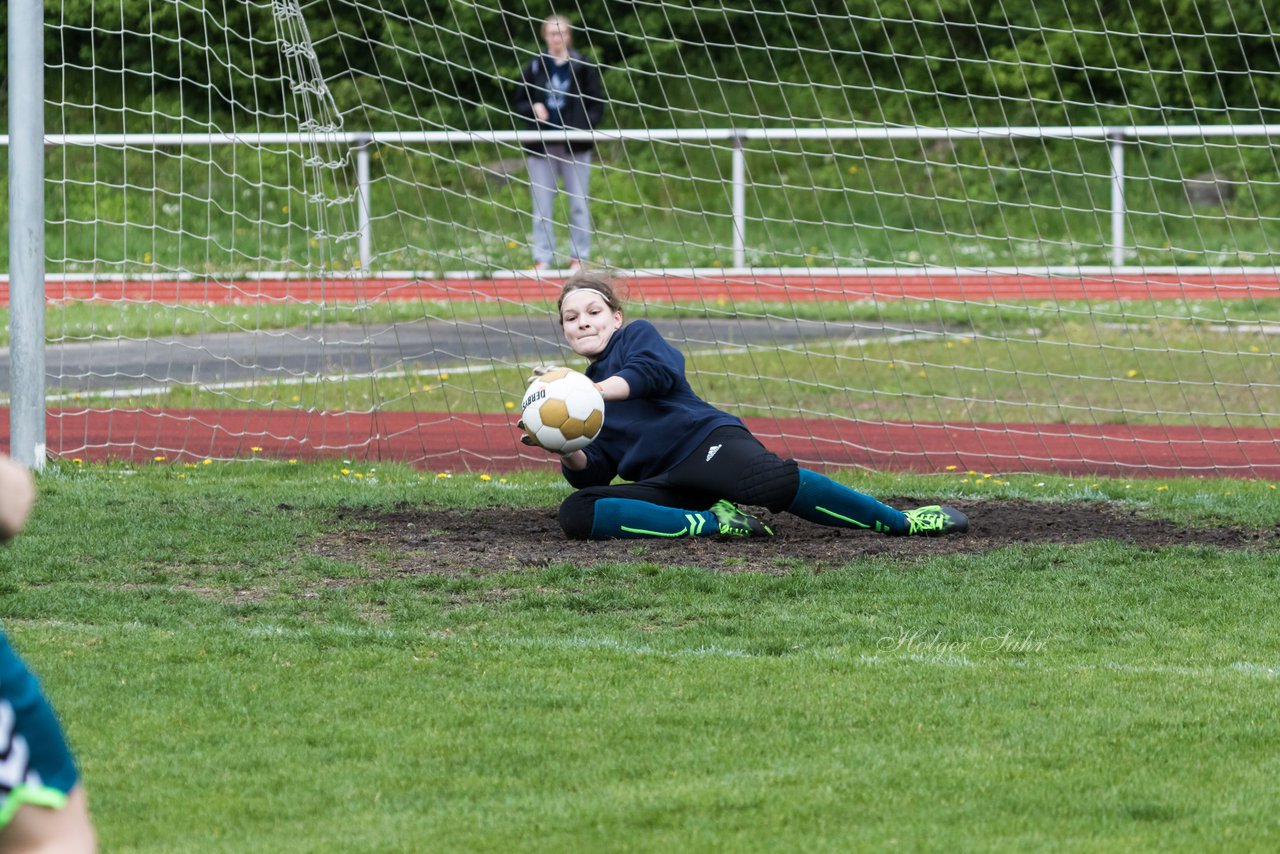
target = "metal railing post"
x: 1116, y: 142
x: 739, y: 204
x: 362, y: 202
x: 26, y: 233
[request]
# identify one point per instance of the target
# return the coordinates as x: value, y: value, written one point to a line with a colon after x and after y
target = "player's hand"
x: 541, y: 370
x: 527, y: 438
x: 17, y: 495
x: 540, y: 112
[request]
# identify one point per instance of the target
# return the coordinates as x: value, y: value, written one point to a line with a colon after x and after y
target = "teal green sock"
x: 630, y: 519
x: 820, y: 499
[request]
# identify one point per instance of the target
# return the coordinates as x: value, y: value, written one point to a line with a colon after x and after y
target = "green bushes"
x: 449, y: 64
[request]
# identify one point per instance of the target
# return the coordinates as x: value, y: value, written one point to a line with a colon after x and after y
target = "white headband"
x: 600, y: 294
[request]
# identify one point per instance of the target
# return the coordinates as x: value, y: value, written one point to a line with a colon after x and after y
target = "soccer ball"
x: 563, y: 411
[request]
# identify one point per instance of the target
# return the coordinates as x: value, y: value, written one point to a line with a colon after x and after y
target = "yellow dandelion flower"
x: 1131, y: 373
x: 157, y: 459
x: 256, y: 448
x: 485, y: 478
x: 509, y: 405
x: 206, y: 462
x: 951, y: 468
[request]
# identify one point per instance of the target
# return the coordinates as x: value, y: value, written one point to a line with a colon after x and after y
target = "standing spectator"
x: 560, y: 90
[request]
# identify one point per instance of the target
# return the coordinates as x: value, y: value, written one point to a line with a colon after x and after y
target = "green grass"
x: 1027, y: 203
x: 227, y: 690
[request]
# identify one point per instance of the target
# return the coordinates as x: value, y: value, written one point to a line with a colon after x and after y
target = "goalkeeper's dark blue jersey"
x: 659, y: 424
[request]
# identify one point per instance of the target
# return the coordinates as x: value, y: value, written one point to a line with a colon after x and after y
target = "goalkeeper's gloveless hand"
x: 539, y: 370
x: 526, y: 438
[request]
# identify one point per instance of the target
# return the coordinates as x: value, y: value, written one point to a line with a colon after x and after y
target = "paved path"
x: 346, y: 350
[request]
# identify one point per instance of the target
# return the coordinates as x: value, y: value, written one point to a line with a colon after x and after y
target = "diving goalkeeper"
x: 689, y: 463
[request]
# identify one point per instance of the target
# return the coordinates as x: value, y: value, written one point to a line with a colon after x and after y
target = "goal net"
x: 981, y: 237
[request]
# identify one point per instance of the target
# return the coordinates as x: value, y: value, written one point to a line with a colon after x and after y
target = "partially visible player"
x: 690, y: 464
x: 42, y: 801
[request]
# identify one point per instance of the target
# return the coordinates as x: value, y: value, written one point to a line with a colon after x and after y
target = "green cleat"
x: 735, y: 523
x: 935, y: 521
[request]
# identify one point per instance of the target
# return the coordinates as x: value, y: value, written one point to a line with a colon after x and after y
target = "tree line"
x: 450, y: 63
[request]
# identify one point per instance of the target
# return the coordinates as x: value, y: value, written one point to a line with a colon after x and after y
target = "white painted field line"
x: 606, y: 643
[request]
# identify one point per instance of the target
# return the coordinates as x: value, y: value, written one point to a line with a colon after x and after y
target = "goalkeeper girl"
x: 42, y: 802
x: 689, y: 463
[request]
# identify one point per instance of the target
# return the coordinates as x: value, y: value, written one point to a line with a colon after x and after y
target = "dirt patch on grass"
x: 415, y: 540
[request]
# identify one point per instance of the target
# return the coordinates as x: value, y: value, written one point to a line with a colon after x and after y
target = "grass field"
x: 231, y: 685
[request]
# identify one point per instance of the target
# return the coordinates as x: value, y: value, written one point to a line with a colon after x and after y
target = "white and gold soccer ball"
x: 563, y: 411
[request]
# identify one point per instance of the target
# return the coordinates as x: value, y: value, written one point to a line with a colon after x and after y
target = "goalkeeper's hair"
x: 599, y: 282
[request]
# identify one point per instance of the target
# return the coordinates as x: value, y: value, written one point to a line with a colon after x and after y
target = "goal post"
x: 26, y: 233
x: 913, y: 235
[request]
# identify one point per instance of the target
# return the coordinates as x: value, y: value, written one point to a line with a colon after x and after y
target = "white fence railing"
x: 360, y: 142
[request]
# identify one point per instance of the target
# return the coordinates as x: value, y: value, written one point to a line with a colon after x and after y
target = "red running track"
x: 441, y: 442
x: 704, y: 287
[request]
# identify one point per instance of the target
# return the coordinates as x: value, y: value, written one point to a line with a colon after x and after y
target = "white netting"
x: 980, y: 235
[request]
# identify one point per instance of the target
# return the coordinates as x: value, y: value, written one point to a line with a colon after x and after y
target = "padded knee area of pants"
x: 577, y: 514
x: 771, y: 482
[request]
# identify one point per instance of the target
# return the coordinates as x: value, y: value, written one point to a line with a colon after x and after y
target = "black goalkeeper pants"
x: 730, y: 464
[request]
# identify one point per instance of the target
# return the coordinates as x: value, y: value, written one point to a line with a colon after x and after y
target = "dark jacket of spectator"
x: 584, y: 103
